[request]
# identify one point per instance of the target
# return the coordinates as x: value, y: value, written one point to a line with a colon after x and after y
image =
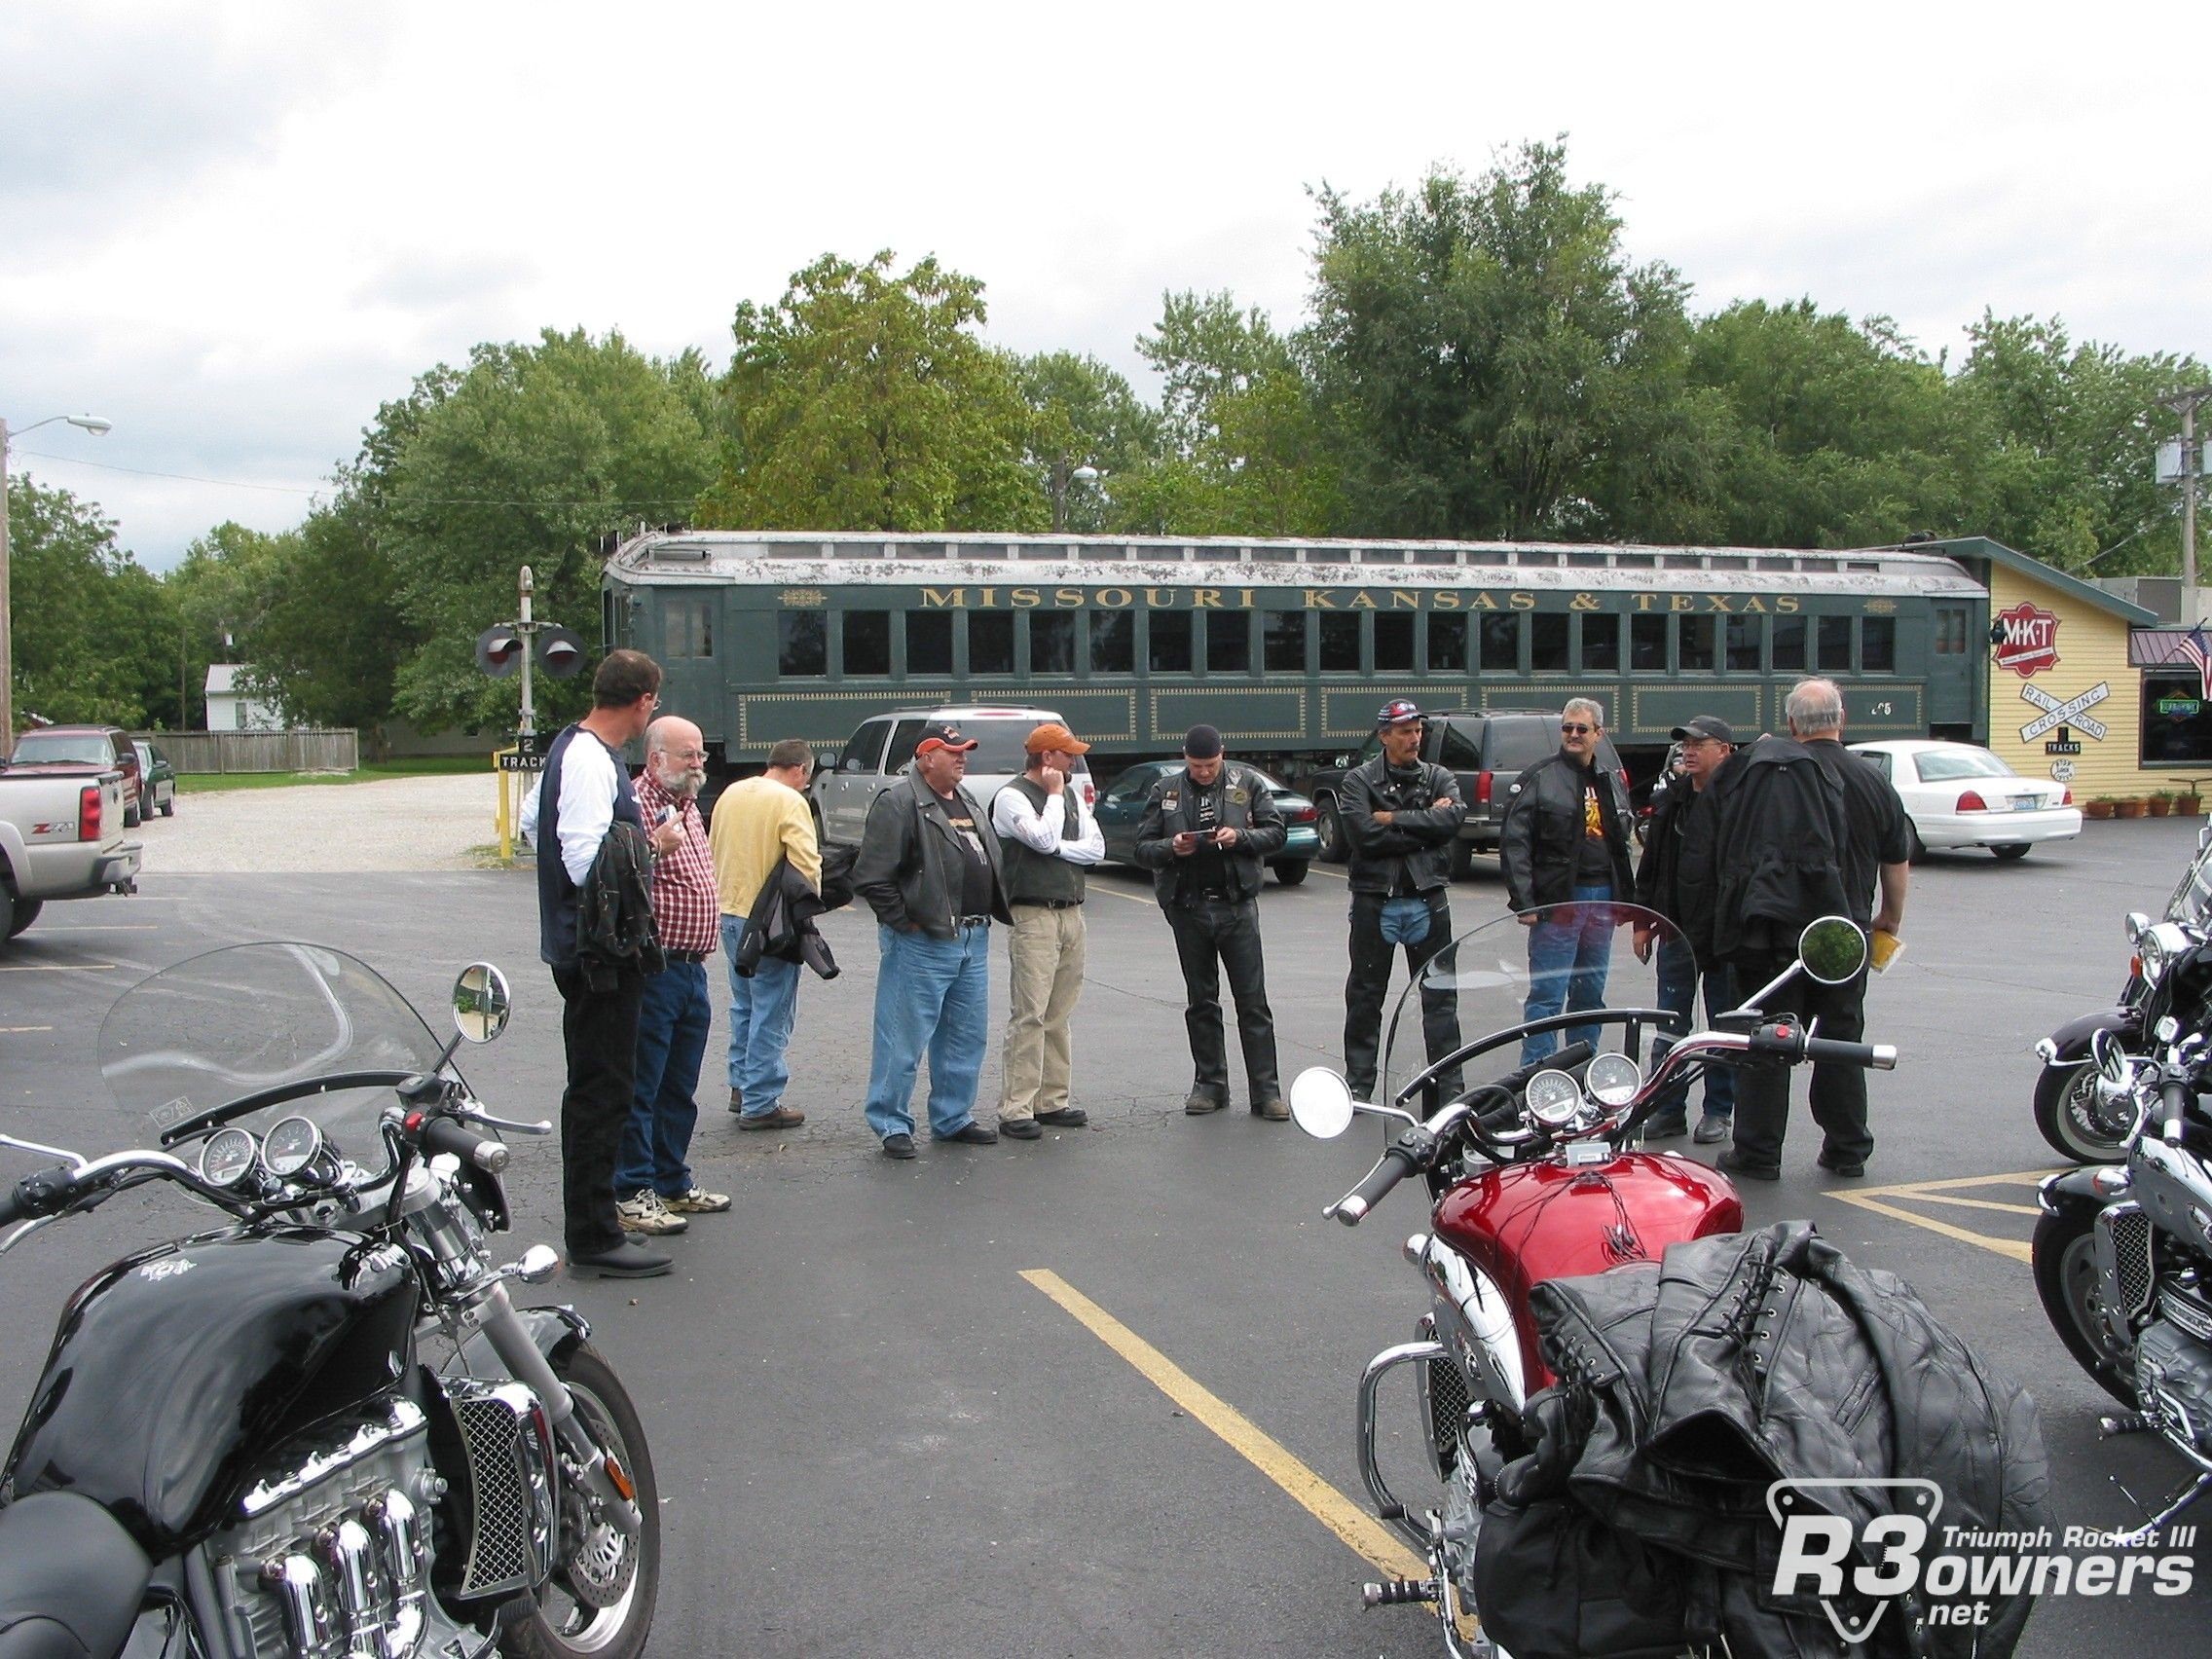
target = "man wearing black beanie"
x: 1208, y: 834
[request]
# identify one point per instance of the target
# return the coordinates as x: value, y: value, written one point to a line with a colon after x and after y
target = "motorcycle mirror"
x: 481, y: 1003
x: 1320, y: 1102
x: 1833, y: 950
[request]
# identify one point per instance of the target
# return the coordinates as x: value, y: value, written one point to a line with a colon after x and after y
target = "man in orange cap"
x: 1048, y: 839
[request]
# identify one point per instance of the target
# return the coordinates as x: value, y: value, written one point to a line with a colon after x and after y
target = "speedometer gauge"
x: 1553, y: 1098
x: 228, y: 1157
x: 1613, y: 1080
x: 291, y: 1146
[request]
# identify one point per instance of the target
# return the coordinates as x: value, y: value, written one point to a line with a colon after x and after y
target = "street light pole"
x: 93, y: 425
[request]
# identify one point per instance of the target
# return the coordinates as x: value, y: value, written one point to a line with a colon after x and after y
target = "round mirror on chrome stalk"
x: 1320, y: 1102
x: 1833, y: 950
x: 481, y: 1003
x: 1612, y: 1080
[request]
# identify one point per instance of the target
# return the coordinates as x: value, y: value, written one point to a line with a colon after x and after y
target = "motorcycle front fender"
x: 554, y: 1330
x: 2071, y: 1041
x: 2074, y: 1193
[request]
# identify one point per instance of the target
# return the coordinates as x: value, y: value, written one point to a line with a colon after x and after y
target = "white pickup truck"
x: 61, y: 837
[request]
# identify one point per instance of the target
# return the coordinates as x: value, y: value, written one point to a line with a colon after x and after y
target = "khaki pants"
x: 1045, y: 962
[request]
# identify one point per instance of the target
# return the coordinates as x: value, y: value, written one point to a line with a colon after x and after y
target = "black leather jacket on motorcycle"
x: 1416, y: 844
x: 1542, y: 834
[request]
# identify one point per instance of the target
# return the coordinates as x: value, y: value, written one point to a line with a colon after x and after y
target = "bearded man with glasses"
x: 1564, y: 845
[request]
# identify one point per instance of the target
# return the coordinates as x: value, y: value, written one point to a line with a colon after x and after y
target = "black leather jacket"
x: 1244, y: 805
x: 910, y: 864
x: 1425, y: 814
x: 1542, y: 834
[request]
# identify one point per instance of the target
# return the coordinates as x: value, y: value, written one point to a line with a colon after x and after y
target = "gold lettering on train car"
x: 1752, y: 602
x: 1205, y: 599
x: 1483, y: 602
x: 941, y: 598
x: 1644, y: 600
x: 1680, y: 602
x: 1719, y: 600
x: 1112, y: 599
x: 1024, y: 598
x: 990, y: 598
x: 1401, y: 600
x: 1363, y: 601
x: 1152, y: 600
x: 1067, y: 599
x: 1244, y: 599
x: 1317, y: 598
x: 1583, y: 601
x: 1445, y: 600
x: 1786, y: 604
x: 1522, y: 602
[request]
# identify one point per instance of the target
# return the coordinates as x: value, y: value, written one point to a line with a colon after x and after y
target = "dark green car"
x: 1121, y: 809
x: 157, y: 780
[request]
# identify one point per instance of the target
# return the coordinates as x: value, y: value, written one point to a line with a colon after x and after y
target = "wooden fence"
x: 338, y: 750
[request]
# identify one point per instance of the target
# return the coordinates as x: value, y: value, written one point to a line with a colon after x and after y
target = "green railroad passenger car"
x: 1288, y: 646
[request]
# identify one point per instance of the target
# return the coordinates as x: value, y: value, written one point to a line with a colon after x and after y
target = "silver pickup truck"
x: 61, y: 837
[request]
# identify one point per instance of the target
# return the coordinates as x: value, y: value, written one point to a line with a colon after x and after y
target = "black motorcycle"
x: 2080, y: 1120
x: 322, y: 1428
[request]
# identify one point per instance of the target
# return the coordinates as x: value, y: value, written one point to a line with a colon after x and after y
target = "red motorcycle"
x: 1534, y: 1174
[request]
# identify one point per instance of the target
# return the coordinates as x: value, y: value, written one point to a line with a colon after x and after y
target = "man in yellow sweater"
x: 756, y: 822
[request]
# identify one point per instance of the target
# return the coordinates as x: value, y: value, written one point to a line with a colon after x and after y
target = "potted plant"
x: 2131, y: 806
x: 2160, y: 802
x: 2098, y: 806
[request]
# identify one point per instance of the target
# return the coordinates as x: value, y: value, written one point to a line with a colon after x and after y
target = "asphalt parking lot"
x: 1046, y: 1398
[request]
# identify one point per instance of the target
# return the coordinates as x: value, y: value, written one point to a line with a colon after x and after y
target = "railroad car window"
x: 867, y: 643
x: 1113, y: 642
x: 1286, y: 555
x: 928, y: 641
x: 1601, y: 643
x: 1436, y: 555
x: 990, y: 642
x: 802, y: 643
x: 1168, y: 650
x: 1743, y: 645
x: 1394, y: 644
x: 1500, y: 643
x: 1051, y: 643
x: 688, y: 627
x: 1694, y: 644
x: 1547, y: 643
x: 1282, y: 640
x: 1586, y: 561
x: 1878, y: 644
x: 1950, y: 631
x: 1648, y: 645
x: 1339, y: 644
x: 1834, y: 643
x: 1447, y: 644
x: 1790, y: 643
x: 1229, y: 642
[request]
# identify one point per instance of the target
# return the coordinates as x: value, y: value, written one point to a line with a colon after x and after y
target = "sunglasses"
x: 1571, y: 729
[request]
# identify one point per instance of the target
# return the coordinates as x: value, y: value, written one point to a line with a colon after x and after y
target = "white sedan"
x: 1959, y: 795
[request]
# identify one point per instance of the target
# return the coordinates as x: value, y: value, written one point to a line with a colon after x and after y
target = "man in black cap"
x: 1208, y: 834
x: 1401, y: 815
x: 1706, y: 742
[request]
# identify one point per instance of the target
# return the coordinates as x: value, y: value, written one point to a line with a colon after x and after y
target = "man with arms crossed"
x: 756, y: 822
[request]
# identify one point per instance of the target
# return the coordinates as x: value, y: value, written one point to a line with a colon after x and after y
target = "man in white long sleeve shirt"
x: 1048, y: 839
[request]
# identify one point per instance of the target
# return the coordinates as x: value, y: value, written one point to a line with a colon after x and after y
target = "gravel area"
x: 393, y: 824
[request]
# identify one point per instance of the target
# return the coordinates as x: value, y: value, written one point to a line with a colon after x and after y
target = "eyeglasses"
x: 1571, y: 729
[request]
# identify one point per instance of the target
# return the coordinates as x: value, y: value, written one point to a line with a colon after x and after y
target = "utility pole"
x: 98, y: 428
x: 2192, y: 467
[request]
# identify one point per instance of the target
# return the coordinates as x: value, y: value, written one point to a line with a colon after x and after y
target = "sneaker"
x: 1733, y: 1162
x: 775, y: 1118
x: 643, y: 1212
x: 1273, y: 1108
x: 1063, y: 1118
x: 1712, y: 1130
x: 1849, y: 1169
x: 697, y: 1202
x: 1197, y: 1103
x: 1666, y: 1128
x: 971, y: 1133
x: 626, y: 1259
x: 1021, y: 1128
x: 898, y: 1145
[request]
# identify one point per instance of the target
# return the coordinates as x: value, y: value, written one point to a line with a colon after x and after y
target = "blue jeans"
x: 1570, y: 953
x: 1678, y: 993
x: 1404, y: 921
x: 673, y: 1021
x: 762, y: 1009
x: 932, y: 994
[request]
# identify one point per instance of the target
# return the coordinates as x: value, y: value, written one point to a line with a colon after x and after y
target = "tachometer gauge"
x: 1612, y: 1079
x: 291, y: 1146
x: 228, y: 1157
x: 1553, y: 1098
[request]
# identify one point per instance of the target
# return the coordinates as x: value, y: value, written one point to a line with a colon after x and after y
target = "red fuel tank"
x: 1530, y: 1222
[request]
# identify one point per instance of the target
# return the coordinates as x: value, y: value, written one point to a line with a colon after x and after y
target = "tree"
x: 328, y: 639
x: 219, y: 593
x: 863, y: 400
x: 1483, y: 348
x: 1083, y: 414
x: 90, y: 624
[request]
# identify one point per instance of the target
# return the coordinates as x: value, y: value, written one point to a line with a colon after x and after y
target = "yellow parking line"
x: 1116, y: 892
x: 19, y: 1030
x: 1943, y: 1191
x: 1366, y: 1536
x: 1977, y: 1204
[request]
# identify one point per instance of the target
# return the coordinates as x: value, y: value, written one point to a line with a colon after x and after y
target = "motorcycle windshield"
x: 256, y: 1017
x: 1489, y: 986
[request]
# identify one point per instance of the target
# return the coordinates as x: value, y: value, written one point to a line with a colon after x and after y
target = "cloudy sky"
x: 234, y: 229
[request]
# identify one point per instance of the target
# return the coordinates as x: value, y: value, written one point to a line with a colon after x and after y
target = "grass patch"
x: 417, y: 766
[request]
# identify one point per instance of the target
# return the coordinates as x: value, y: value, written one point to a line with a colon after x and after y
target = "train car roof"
x: 836, y: 559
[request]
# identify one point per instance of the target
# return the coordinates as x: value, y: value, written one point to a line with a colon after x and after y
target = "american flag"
x: 2199, y: 651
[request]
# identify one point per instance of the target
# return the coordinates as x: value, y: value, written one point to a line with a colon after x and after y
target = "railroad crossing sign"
x: 2058, y: 714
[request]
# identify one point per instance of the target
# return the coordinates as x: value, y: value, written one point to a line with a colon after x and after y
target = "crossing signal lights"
x: 562, y: 652
x: 498, y: 651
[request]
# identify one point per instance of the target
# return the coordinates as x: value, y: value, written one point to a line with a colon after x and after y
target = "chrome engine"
x: 333, y: 1557
x: 2173, y: 1371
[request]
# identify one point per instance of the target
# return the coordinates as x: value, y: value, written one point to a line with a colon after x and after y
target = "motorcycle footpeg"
x: 1398, y: 1592
x: 2126, y: 1423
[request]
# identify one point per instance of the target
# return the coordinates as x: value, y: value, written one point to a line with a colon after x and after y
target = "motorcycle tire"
x: 2066, y: 1114
x: 2066, y: 1282
x: 576, y: 1613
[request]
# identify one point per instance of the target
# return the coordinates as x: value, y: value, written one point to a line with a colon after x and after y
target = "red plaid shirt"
x: 685, y: 907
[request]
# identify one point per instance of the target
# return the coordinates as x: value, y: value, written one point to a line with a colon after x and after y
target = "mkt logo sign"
x: 1957, y: 1572
x: 2027, y: 638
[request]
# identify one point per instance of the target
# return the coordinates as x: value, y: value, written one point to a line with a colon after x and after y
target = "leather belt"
x: 961, y: 924
x: 1215, y: 896
x: 687, y: 955
x: 1049, y: 904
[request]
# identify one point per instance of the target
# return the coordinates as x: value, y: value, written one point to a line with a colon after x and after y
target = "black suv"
x: 1484, y: 749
